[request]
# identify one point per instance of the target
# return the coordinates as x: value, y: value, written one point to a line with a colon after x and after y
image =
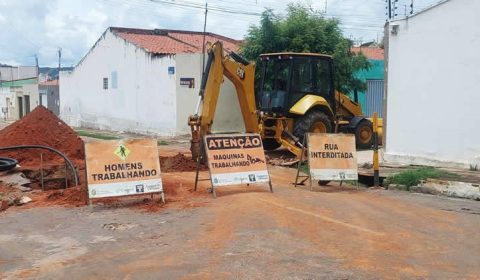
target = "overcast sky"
x: 39, y: 27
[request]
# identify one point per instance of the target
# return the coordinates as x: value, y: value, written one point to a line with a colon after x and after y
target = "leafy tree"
x: 306, y: 30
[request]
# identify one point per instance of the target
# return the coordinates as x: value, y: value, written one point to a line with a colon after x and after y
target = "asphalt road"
x: 249, y: 233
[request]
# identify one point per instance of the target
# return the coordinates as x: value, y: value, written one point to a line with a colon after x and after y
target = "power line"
x: 364, y: 22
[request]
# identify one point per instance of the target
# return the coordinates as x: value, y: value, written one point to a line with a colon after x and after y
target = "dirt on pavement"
x: 42, y: 127
x: 250, y: 233
x: 179, y: 163
x: 333, y: 232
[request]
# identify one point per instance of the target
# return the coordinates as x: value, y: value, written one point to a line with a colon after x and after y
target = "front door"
x: 27, y: 103
x: 43, y: 100
x: 20, y: 107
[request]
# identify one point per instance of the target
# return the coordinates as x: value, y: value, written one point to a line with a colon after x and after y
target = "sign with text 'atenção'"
x: 236, y: 159
x: 122, y: 167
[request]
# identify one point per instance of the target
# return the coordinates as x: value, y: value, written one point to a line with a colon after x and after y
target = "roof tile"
x: 164, y: 41
x: 370, y: 53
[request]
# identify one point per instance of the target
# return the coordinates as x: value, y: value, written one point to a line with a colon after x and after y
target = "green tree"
x: 306, y: 30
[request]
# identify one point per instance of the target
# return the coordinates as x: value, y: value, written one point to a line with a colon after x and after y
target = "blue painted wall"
x: 376, y: 72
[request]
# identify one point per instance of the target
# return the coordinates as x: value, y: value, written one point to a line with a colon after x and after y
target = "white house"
x: 144, y: 81
x: 433, y: 86
x: 18, y: 91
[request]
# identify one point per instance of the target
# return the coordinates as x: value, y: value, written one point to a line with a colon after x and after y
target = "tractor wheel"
x: 323, y: 183
x: 270, y: 144
x: 314, y: 121
x: 364, y: 135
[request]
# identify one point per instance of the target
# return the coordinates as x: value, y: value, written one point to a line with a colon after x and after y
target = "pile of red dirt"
x: 42, y: 127
x: 71, y: 197
x: 179, y: 163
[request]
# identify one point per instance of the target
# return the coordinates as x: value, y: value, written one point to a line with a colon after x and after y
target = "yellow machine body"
x: 276, y: 127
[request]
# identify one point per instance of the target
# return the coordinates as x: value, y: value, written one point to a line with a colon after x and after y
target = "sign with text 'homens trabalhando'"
x: 236, y: 159
x: 332, y: 156
x: 123, y: 167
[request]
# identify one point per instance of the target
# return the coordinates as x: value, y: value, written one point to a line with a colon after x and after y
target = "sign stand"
x: 140, y: 145
x: 308, y: 176
x: 299, y: 164
x: 197, y: 173
x: 212, y: 188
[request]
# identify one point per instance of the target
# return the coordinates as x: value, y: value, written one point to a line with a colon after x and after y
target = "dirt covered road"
x: 249, y: 233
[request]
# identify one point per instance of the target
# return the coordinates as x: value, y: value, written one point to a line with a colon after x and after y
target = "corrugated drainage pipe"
x: 7, y: 163
x: 70, y: 164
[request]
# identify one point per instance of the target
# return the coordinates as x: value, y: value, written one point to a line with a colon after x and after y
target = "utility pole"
x: 59, y: 62
x: 326, y: 4
x: 204, y: 34
x: 36, y: 64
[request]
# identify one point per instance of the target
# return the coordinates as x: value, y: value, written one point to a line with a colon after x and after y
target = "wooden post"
x: 376, y: 175
x: 41, y: 172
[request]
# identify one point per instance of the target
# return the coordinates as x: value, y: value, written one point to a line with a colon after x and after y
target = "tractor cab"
x: 288, y: 77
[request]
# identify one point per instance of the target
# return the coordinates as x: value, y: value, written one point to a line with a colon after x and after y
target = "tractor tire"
x: 313, y: 121
x: 7, y: 163
x: 364, y: 135
x: 323, y: 183
x: 270, y: 144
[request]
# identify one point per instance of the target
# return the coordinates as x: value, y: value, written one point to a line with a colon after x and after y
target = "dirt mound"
x: 179, y: 163
x: 178, y: 189
x: 42, y: 127
x: 71, y: 197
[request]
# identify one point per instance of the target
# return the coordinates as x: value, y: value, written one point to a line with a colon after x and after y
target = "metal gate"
x: 374, y: 98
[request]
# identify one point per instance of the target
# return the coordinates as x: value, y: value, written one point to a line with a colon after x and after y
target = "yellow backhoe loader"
x: 296, y: 95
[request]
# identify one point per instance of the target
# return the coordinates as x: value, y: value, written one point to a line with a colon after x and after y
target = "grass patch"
x: 162, y: 142
x: 97, y: 135
x: 473, y: 167
x: 413, y: 177
x: 304, y: 168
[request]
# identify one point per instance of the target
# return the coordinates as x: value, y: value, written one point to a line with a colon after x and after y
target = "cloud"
x: 39, y: 27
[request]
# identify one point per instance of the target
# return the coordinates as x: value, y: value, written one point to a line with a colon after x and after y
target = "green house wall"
x: 18, y: 83
x: 376, y: 72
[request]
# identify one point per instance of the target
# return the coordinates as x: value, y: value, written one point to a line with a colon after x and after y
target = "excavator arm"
x: 242, y: 74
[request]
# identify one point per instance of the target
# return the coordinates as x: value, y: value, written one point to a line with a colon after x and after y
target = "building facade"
x: 18, y: 91
x: 144, y: 81
x: 433, y: 86
x: 50, y: 95
x: 372, y: 98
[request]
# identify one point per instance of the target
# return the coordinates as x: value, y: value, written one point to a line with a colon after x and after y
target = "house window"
x: 114, y: 80
x: 105, y: 83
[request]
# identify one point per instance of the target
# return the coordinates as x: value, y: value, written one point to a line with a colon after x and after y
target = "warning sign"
x: 236, y: 159
x: 332, y: 156
x: 124, y: 167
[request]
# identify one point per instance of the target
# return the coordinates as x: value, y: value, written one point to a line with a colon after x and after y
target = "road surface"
x: 249, y: 233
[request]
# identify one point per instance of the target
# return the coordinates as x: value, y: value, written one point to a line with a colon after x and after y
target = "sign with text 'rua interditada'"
x: 122, y: 167
x: 332, y: 156
x: 236, y: 159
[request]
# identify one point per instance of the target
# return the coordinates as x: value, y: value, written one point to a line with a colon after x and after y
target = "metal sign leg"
x: 214, y: 193
x: 196, y: 173
x: 66, y: 174
x: 300, y: 163
x: 41, y: 172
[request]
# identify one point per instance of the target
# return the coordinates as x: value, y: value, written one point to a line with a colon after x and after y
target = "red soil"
x: 42, y: 127
x: 179, y: 163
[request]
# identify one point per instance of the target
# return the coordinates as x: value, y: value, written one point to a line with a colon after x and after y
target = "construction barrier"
x: 330, y: 157
x: 235, y: 159
x: 122, y: 167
